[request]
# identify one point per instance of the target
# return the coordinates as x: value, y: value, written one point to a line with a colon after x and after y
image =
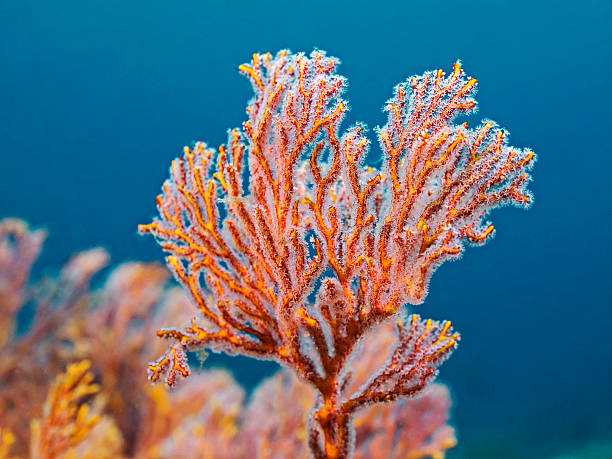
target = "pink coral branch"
x: 19, y: 249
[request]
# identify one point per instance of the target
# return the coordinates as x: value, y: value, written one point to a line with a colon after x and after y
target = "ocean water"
x: 97, y: 97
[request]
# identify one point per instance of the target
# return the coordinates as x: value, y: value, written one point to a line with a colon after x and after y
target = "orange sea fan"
x: 293, y: 249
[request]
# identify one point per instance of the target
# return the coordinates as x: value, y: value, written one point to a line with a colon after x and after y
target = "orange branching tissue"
x: 294, y: 249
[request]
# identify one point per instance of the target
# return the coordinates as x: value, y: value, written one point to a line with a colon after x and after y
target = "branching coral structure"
x: 294, y: 249
x: 19, y: 248
x: 407, y: 429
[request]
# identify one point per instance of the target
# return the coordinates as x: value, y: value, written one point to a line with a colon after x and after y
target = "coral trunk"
x: 337, y: 432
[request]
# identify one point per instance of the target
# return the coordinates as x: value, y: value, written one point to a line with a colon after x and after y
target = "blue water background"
x: 97, y: 97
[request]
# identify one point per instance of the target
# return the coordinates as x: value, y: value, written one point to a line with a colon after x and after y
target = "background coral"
x: 31, y: 357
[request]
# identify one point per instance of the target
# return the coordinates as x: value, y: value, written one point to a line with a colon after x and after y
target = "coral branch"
x: 445, y: 178
x: 422, y: 347
x: 67, y: 419
x: 19, y: 249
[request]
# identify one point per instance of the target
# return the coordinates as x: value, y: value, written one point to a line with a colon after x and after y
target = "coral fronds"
x: 283, y: 432
x: 293, y: 249
x: 212, y: 432
x: 422, y: 347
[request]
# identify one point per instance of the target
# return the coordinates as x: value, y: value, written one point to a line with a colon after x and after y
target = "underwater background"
x: 97, y: 97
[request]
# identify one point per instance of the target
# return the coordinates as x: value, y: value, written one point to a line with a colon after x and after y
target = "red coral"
x: 299, y: 254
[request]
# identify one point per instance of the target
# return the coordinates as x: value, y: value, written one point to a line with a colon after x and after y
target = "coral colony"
x: 295, y: 251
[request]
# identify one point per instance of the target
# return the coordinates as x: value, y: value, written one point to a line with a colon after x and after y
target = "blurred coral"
x: 104, y: 441
x: 112, y: 334
x: 66, y: 419
x: 281, y: 433
x: 293, y: 250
